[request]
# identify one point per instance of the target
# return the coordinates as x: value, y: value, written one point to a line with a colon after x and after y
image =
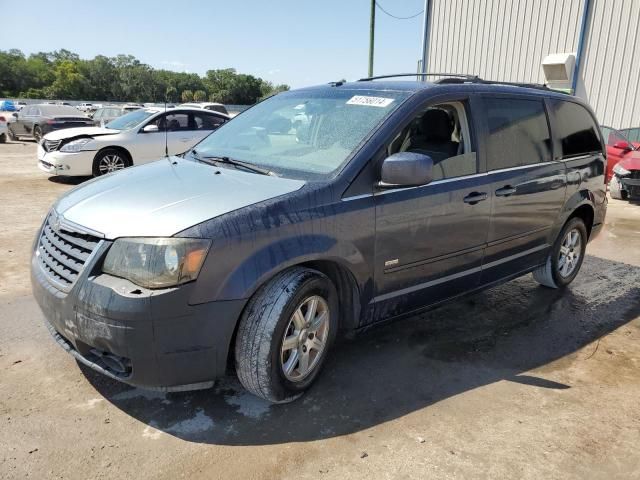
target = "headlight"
x: 75, y: 146
x: 156, y: 262
x: 620, y: 170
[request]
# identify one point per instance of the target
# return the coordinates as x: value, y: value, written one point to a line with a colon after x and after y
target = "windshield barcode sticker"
x: 369, y: 101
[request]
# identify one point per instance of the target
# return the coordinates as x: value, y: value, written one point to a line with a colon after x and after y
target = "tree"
x: 187, y: 96
x: 199, y: 96
x: 171, y: 94
x: 62, y: 74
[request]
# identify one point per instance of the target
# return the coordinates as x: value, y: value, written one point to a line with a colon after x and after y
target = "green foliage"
x: 199, y: 96
x: 187, y: 96
x: 64, y: 75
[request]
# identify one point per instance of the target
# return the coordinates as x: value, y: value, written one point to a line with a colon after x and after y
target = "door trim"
x: 454, y: 276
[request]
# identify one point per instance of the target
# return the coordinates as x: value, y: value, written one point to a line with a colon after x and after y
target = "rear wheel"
x: 3, y: 138
x: 109, y: 160
x: 566, y: 256
x: 285, y: 334
x: 37, y: 134
x: 12, y: 136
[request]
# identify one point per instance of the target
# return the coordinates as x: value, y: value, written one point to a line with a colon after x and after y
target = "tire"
x: 11, y: 135
x: 559, y: 270
x: 37, y: 134
x: 261, y: 353
x: 3, y: 138
x: 109, y: 160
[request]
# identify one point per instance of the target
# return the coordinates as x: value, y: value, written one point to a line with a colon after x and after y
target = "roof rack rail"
x: 457, y: 75
x: 463, y: 78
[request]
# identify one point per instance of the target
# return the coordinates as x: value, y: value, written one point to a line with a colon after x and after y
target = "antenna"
x: 166, y: 129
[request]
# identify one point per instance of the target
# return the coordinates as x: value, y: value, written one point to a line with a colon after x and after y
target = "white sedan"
x: 4, y: 133
x: 132, y: 139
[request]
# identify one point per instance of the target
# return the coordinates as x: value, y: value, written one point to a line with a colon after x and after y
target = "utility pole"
x: 372, y: 27
x: 425, y: 39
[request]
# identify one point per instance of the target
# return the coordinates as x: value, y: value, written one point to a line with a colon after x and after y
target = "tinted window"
x: 576, y: 130
x: 518, y: 133
x: 202, y: 121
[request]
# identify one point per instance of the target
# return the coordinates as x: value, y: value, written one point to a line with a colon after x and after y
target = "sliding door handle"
x: 505, y: 191
x: 475, y: 197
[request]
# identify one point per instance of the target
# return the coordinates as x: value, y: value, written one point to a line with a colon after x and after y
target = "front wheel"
x: 109, y: 160
x: 285, y: 334
x: 3, y: 138
x: 566, y: 256
x: 37, y: 134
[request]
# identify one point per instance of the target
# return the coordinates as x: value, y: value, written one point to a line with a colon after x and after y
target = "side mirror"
x: 150, y: 129
x: 623, y: 145
x: 406, y: 169
x: 14, y: 114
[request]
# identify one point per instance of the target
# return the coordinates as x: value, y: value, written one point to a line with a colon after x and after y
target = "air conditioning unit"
x: 558, y: 70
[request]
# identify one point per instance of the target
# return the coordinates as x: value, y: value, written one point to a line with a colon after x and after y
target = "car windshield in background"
x: 53, y: 110
x: 304, y: 135
x: 633, y: 134
x: 130, y: 120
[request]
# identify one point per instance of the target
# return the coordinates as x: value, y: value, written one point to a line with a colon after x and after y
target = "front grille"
x: 51, y: 145
x: 62, y: 253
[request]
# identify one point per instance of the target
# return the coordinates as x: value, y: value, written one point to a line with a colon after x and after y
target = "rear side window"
x: 575, y: 129
x: 518, y: 133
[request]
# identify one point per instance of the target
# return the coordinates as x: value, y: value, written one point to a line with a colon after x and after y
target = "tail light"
x: 2, y: 119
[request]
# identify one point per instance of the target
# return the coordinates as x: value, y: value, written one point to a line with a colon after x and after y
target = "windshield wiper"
x: 234, y: 162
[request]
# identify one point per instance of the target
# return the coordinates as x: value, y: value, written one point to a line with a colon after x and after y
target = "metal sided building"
x: 509, y: 39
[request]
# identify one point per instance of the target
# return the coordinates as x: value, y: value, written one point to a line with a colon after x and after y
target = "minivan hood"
x: 79, y: 132
x: 162, y: 198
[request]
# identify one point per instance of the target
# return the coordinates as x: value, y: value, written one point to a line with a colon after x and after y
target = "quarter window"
x: 576, y: 130
x: 518, y: 133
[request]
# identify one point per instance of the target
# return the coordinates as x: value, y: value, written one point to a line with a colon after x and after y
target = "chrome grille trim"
x: 63, y: 254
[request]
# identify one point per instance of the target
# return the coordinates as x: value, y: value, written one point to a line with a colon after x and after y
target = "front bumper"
x: 67, y: 164
x: 162, y: 341
x: 631, y: 186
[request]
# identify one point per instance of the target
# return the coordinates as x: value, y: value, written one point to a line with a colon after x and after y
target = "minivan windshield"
x: 305, y: 134
x: 130, y: 120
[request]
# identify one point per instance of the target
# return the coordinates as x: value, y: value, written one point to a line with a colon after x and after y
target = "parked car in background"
x: 618, y: 147
x: 20, y: 105
x: 215, y: 107
x: 34, y: 121
x: 7, y: 106
x: 135, y: 138
x: 85, y: 107
x: 60, y: 102
x: 104, y: 115
x: 4, y: 132
x: 254, y: 250
x: 625, y: 182
x: 130, y: 107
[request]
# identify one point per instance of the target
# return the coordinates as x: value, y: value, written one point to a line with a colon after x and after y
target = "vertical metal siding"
x: 610, y: 74
x: 508, y: 39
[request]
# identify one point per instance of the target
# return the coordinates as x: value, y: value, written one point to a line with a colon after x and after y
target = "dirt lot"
x: 516, y: 382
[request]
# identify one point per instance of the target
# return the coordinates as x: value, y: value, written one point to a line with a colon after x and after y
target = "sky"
x: 299, y: 42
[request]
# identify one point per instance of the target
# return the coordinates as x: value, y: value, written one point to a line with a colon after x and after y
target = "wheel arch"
x: 115, y: 147
x: 343, y: 280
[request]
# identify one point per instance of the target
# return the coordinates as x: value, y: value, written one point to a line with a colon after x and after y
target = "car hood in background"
x: 79, y: 132
x: 165, y: 197
x: 631, y: 161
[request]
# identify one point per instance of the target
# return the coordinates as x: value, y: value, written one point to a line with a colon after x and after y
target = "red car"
x: 618, y: 147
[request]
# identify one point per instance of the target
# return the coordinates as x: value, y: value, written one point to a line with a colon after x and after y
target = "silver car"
x: 138, y: 137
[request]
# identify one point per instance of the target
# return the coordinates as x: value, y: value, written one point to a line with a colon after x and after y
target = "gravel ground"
x: 515, y: 382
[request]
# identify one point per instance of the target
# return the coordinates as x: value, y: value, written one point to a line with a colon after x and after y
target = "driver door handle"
x: 475, y: 197
x: 505, y: 191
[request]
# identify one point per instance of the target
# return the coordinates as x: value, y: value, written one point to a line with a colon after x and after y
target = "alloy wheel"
x: 570, y: 251
x: 305, y: 338
x: 110, y: 163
